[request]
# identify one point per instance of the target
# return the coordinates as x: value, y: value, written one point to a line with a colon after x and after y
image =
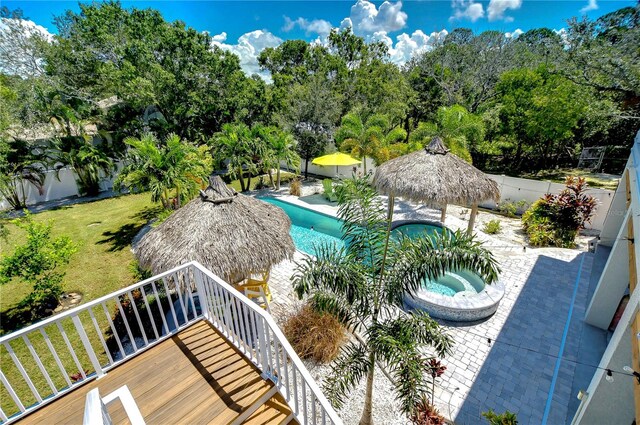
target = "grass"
x: 600, y: 180
x: 103, y: 231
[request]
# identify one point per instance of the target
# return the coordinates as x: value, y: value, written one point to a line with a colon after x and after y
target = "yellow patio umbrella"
x: 337, y: 159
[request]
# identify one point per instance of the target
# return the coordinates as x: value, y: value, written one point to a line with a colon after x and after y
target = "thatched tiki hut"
x: 435, y: 177
x: 231, y: 234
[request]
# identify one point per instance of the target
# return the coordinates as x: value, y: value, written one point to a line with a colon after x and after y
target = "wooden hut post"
x: 443, y: 213
x: 472, y: 218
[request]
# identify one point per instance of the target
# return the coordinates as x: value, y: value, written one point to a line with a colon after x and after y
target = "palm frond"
x: 347, y: 371
x: 364, y: 221
x: 326, y: 302
x: 430, y: 257
x: 331, y: 271
x: 397, y: 344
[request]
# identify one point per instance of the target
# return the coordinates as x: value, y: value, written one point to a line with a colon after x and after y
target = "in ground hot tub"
x: 459, y: 295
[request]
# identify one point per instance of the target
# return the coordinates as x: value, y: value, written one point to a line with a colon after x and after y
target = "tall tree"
x: 281, y: 147
x: 363, y: 285
x: 371, y: 138
x: 310, y: 114
x: 106, y: 50
x: 460, y: 130
x: 539, y: 113
x: 240, y: 149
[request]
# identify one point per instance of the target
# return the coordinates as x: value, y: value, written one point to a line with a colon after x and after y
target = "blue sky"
x: 247, y: 27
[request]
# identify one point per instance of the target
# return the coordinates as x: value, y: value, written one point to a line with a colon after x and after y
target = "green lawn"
x: 600, y: 180
x: 102, y: 230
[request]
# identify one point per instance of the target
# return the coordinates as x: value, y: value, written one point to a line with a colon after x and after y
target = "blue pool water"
x: 326, y: 229
x: 310, y: 229
x: 452, y: 282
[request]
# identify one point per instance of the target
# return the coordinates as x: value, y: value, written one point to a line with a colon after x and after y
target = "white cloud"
x: 515, y: 34
x: 315, y: 26
x: 248, y: 48
x: 366, y: 19
x: 466, y: 9
x: 408, y: 46
x: 496, y: 9
x: 220, y: 37
x: 591, y: 5
x: 17, y: 55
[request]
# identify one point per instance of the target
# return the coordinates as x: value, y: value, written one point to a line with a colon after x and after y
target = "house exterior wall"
x: 618, y: 402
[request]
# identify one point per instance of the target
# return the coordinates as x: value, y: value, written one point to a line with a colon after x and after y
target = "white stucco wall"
x: 511, y: 188
x: 55, y: 189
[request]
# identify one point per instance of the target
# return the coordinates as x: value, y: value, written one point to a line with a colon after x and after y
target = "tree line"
x: 508, y: 104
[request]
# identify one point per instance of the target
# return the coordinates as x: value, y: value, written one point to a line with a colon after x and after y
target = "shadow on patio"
x: 518, y: 370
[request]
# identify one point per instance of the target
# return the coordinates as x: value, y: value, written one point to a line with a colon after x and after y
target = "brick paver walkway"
x: 507, y: 361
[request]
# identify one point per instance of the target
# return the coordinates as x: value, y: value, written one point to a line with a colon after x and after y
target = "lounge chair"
x: 258, y: 282
x: 259, y: 297
x: 328, y: 190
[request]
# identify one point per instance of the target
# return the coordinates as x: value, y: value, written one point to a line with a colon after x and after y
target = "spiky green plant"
x: 171, y: 170
x: 363, y: 285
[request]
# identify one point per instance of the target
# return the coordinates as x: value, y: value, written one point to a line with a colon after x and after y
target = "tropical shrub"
x: 557, y: 219
x: 492, y: 227
x: 90, y: 162
x: 314, y: 335
x: 511, y: 208
x: 425, y: 413
x: 37, y: 263
x: 506, y: 418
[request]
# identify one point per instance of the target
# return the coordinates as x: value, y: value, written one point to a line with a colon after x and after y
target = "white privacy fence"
x: 55, y: 188
x: 512, y: 189
x: 53, y: 357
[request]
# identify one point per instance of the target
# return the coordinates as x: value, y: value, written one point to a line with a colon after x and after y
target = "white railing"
x: 53, y: 357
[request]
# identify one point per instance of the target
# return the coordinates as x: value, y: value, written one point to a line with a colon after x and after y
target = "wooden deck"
x: 194, y: 377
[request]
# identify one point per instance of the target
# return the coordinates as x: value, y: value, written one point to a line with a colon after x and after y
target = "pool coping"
x: 459, y: 307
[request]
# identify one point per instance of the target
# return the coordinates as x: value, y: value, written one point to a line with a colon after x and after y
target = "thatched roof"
x: 229, y: 233
x: 434, y: 176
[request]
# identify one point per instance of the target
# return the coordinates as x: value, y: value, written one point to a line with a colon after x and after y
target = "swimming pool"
x: 309, y: 228
x: 461, y: 295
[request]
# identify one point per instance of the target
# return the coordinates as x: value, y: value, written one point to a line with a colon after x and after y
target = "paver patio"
x: 507, y: 362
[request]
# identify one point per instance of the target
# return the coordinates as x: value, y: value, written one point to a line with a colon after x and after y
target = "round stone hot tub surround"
x: 459, y: 295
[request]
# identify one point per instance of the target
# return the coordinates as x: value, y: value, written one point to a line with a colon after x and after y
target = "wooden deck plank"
x: 194, y: 377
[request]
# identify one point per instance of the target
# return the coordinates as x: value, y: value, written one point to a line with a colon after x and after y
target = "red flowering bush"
x: 557, y: 219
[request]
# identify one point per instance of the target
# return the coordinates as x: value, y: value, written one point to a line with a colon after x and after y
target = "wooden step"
x: 273, y: 412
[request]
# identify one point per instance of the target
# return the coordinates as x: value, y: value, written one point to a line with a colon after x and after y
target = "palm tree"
x: 281, y: 147
x: 165, y: 167
x: 87, y: 160
x: 458, y: 128
x: 363, y: 285
x: 236, y: 143
x: 370, y: 138
x: 20, y: 163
